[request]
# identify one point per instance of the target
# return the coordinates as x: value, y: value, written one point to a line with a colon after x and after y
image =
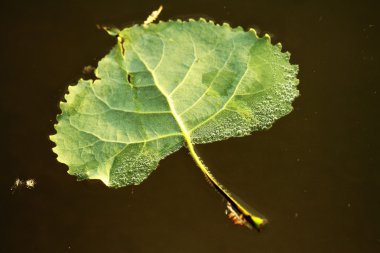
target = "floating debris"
x: 152, y: 17
x: 29, y: 184
x: 16, y: 184
x: 87, y: 70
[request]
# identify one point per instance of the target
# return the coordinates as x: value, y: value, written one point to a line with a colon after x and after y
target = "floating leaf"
x: 167, y: 85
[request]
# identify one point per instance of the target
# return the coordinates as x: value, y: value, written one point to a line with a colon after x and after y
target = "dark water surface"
x: 315, y: 174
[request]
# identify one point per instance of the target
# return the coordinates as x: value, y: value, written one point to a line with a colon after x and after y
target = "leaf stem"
x: 250, y: 217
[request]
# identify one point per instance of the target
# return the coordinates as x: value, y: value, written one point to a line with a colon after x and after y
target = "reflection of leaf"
x: 167, y: 85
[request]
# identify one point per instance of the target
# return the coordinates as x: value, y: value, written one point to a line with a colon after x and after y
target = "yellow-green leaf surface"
x: 166, y: 85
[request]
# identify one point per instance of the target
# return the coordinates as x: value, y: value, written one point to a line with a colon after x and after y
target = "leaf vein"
x: 188, y: 70
x: 226, y: 103
x: 212, y: 82
x: 123, y: 142
x: 126, y: 111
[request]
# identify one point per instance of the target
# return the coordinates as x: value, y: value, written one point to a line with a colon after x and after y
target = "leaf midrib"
x: 177, y: 117
x: 180, y: 123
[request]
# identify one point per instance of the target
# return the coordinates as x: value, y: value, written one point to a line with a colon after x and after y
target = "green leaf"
x: 169, y: 84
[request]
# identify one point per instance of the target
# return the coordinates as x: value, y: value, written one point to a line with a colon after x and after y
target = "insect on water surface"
x: 233, y: 215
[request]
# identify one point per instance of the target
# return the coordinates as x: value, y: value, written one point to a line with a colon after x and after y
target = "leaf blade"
x: 166, y: 84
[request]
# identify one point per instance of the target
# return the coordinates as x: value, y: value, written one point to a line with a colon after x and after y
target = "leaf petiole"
x: 237, y: 210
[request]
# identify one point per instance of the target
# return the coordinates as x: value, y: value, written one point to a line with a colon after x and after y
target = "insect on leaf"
x: 169, y: 85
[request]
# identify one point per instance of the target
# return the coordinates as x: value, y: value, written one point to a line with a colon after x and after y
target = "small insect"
x: 240, y: 214
x: 236, y: 218
x: 152, y: 17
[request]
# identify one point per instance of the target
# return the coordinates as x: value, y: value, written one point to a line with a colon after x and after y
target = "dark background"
x: 314, y: 174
